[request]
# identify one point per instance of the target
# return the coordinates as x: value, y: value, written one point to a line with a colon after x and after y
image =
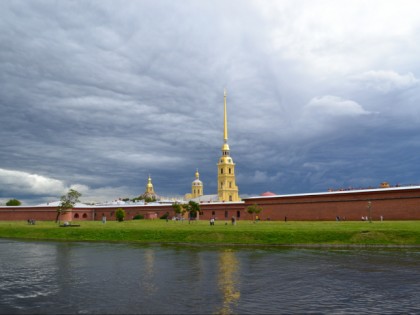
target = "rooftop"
x: 349, y: 191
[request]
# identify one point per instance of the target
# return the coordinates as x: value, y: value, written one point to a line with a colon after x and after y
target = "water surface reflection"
x: 229, y: 280
x: 147, y: 276
x: 94, y: 278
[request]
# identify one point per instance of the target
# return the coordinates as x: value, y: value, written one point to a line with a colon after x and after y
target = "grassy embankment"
x: 245, y: 232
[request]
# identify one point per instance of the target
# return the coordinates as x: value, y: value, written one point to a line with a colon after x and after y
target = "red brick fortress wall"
x: 391, y: 204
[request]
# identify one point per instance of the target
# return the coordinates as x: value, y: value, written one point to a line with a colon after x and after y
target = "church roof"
x: 268, y: 193
x: 206, y: 198
x: 197, y: 182
x: 58, y: 202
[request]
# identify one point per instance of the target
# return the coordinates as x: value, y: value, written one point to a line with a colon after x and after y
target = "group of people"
x: 366, y: 218
x: 31, y: 221
x: 213, y: 220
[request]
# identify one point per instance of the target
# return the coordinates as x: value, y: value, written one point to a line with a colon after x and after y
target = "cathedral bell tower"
x: 197, y: 186
x: 226, y: 183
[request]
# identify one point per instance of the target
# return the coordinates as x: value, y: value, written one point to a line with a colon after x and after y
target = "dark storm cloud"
x: 99, y: 94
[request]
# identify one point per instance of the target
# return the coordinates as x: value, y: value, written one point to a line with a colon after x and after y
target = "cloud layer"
x: 100, y: 94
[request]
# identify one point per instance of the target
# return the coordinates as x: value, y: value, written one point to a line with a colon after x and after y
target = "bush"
x: 120, y: 214
x: 138, y: 217
x: 165, y: 216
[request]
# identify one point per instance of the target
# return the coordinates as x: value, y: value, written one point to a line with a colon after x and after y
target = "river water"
x: 101, y: 278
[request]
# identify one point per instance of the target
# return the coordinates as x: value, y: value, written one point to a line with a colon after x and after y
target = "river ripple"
x: 99, y: 278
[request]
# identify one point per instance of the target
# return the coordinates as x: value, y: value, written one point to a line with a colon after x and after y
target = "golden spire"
x: 197, y: 175
x: 225, y: 147
x: 225, y: 133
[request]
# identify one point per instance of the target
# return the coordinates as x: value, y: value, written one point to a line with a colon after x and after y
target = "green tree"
x: 146, y: 199
x: 138, y: 217
x: 253, y: 209
x: 177, y: 208
x: 13, y: 202
x: 192, y: 208
x: 150, y: 199
x: 120, y: 214
x: 165, y: 216
x: 67, y: 202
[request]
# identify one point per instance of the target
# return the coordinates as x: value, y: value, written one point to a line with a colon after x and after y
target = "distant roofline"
x: 208, y: 199
x: 220, y: 202
x: 339, y: 192
x: 112, y: 205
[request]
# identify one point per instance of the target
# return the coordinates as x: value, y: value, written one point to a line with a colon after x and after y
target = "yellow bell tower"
x: 226, y: 183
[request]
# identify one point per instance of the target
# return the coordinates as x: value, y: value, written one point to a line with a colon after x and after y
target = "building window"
x: 221, y: 171
x: 230, y: 170
x: 213, y: 213
x: 238, y: 214
x: 226, y: 214
x: 230, y: 198
x: 84, y: 216
x: 230, y: 184
x: 76, y: 216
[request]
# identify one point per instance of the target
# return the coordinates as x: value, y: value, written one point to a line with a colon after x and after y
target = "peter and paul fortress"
x: 227, y: 191
x: 385, y: 202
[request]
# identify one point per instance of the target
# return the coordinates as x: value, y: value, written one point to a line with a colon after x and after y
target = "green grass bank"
x: 387, y: 233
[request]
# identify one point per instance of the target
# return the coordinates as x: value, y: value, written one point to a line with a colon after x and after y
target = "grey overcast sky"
x: 97, y: 95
